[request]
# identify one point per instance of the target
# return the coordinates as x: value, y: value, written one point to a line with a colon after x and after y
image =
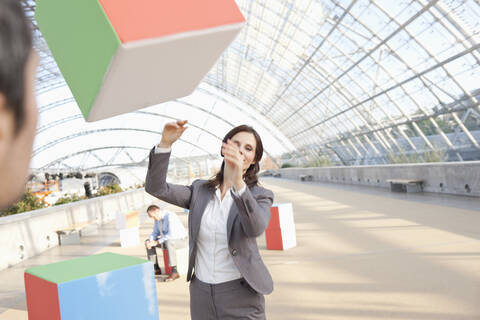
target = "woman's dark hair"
x: 15, y: 48
x: 250, y: 177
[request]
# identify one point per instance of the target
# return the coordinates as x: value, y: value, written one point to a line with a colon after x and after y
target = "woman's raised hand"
x: 172, y: 132
x: 233, y: 171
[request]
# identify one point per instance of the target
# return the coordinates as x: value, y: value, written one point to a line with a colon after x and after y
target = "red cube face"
x: 146, y: 19
x: 168, y: 269
x: 274, y: 218
x: 274, y: 239
x: 42, y: 298
x: 280, y: 233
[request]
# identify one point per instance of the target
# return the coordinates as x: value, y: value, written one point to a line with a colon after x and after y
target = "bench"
x: 306, y: 177
x: 71, y: 235
x: 406, y: 185
x: 68, y: 236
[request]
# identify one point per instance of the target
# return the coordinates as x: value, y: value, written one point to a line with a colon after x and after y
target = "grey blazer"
x: 248, y: 219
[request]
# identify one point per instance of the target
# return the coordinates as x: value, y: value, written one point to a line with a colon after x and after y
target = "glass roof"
x: 333, y: 82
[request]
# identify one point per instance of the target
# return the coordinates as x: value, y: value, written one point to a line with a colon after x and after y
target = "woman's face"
x: 246, y: 143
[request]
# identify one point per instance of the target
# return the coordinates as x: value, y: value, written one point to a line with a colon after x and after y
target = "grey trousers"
x: 230, y: 300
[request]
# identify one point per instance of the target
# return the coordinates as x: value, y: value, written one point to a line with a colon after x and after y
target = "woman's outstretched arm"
x: 156, y: 180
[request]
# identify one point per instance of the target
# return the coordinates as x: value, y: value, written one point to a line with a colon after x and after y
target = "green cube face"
x: 82, y: 42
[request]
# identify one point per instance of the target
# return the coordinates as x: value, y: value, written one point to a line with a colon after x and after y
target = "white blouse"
x: 214, y: 262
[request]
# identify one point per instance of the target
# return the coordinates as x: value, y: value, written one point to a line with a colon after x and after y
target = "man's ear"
x: 7, y: 126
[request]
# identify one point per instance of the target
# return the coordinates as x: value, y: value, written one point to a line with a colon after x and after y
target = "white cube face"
x: 129, y: 237
x: 285, y: 213
x: 149, y: 72
x: 289, y: 237
x: 182, y: 261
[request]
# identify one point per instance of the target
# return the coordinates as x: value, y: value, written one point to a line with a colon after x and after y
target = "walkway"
x: 361, y: 254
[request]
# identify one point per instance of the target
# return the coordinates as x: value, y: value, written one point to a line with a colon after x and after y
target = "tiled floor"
x: 361, y: 254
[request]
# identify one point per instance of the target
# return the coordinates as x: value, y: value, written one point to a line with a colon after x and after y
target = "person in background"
x: 18, y: 108
x: 168, y: 231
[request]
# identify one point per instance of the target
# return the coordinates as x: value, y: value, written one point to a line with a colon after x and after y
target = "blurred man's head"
x: 18, y: 109
x: 155, y: 212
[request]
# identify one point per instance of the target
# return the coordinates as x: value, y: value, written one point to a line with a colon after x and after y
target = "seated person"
x: 169, y: 231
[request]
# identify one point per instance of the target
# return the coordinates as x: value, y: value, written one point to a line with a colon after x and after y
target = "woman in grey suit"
x: 228, y: 278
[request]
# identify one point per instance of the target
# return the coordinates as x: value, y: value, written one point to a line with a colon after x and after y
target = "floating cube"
x: 120, y: 56
x: 102, y: 286
x: 280, y: 233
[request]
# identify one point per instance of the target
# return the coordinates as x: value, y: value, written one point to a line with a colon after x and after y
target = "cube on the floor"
x: 120, y: 56
x: 280, y: 233
x: 182, y: 261
x: 102, y: 286
x: 129, y: 237
x: 128, y: 219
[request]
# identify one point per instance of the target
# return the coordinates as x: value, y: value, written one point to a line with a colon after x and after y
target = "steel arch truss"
x: 354, y: 88
x: 60, y: 163
x: 354, y: 81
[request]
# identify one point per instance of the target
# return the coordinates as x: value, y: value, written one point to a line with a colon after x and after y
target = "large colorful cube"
x: 102, y: 286
x: 120, y: 56
x: 280, y: 233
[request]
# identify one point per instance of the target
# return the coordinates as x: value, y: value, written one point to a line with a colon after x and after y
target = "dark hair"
x: 250, y: 177
x: 15, y: 48
x: 152, y: 207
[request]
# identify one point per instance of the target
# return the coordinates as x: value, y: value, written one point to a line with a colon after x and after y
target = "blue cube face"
x: 128, y: 293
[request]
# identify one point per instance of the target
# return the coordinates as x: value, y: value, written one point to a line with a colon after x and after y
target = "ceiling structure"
x: 325, y: 82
